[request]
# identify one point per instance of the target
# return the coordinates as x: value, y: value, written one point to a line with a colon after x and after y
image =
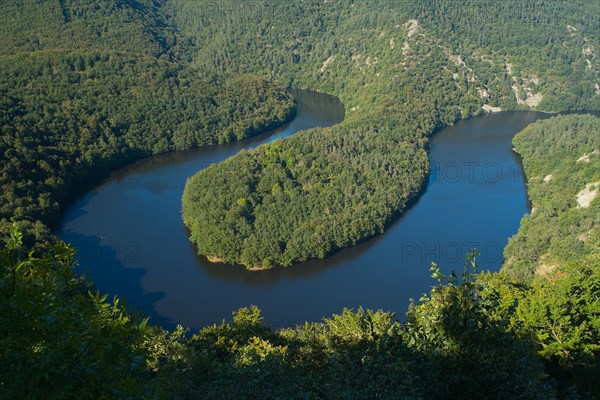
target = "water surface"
x: 131, y: 240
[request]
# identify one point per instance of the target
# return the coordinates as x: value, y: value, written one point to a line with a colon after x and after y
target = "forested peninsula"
x: 89, y: 86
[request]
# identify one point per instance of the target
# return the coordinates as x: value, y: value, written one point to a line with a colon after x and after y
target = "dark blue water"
x: 132, y: 243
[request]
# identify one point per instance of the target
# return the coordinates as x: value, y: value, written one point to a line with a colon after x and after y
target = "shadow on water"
x: 77, y: 210
x: 183, y: 156
x: 107, y: 263
x: 110, y: 266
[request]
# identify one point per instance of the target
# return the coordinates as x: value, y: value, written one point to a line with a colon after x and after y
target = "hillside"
x: 344, y: 48
x: 562, y: 164
x: 134, y: 26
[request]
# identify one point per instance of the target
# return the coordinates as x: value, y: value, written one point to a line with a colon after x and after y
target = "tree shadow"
x: 112, y: 271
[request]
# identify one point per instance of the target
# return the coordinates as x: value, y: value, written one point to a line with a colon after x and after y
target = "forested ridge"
x: 88, y: 86
x: 344, y: 47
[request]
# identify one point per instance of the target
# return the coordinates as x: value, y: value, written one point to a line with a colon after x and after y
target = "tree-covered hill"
x: 533, y: 47
x: 137, y: 26
x: 342, y: 47
x: 320, y: 191
x: 561, y: 158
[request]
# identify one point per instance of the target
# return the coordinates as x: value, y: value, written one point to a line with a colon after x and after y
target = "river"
x: 132, y: 243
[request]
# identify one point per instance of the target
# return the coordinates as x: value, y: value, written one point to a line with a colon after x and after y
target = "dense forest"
x: 132, y: 26
x: 320, y: 191
x: 345, y: 47
x: 89, y: 86
x: 561, y: 158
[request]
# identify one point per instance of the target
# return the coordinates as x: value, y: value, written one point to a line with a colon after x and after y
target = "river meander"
x: 132, y: 242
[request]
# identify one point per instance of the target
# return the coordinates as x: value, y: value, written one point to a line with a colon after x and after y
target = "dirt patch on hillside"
x: 413, y: 27
x: 327, y: 62
x: 587, y: 195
